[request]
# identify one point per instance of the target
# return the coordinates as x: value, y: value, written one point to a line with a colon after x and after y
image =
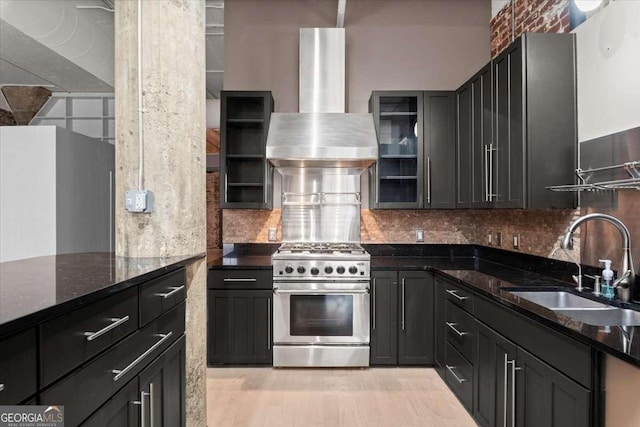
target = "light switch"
x: 499, y: 239
x: 419, y: 235
x: 489, y: 239
x: 516, y: 241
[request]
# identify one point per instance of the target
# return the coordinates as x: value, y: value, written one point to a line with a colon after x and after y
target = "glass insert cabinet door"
x: 399, y: 125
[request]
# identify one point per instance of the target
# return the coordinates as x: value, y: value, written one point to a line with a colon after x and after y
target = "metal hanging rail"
x: 586, y: 175
x: 322, y: 198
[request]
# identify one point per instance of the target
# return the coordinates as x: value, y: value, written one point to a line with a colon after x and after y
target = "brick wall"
x: 6, y: 118
x: 540, y: 16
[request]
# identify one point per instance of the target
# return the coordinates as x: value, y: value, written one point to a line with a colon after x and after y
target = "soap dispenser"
x: 607, y: 279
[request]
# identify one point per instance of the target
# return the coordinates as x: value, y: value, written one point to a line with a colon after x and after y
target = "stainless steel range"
x: 321, y: 305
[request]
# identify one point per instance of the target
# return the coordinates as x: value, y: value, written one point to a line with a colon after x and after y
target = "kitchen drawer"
x: 572, y: 358
x: 160, y: 295
x: 73, y: 338
x: 460, y: 296
x: 460, y: 327
x: 86, y: 389
x: 18, y: 367
x: 240, y: 279
x: 459, y: 376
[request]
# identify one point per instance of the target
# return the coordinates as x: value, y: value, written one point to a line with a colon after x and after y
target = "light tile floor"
x: 378, y: 397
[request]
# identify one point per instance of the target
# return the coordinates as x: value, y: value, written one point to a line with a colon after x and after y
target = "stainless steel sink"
x: 558, y: 300
x: 582, y: 309
x: 611, y: 316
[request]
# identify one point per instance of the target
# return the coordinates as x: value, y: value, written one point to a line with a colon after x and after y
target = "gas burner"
x: 320, y: 248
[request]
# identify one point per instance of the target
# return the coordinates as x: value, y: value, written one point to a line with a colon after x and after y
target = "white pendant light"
x: 587, y: 5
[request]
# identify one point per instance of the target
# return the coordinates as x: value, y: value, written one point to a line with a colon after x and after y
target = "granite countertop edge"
x: 26, y: 321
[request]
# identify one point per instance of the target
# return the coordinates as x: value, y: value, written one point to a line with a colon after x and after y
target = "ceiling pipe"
x: 342, y: 7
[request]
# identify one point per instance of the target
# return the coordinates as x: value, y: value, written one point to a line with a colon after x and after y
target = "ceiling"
x: 69, y: 45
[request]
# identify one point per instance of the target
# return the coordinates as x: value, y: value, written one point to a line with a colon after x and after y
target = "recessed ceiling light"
x: 587, y: 5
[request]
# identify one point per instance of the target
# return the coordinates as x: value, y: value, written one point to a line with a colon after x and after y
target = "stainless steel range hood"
x: 322, y: 134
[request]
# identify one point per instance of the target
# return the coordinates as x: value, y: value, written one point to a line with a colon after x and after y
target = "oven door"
x: 321, y: 313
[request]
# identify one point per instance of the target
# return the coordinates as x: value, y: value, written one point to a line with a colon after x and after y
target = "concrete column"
x: 173, y: 80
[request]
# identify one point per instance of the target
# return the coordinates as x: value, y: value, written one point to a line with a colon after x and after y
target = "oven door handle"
x: 321, y: 292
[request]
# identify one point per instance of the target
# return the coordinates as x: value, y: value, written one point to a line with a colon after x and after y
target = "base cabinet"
x: 517, y: 373
x: 240, y: 328
x: 545, y: 397
x: 155, y: 398
x: 401, y: 318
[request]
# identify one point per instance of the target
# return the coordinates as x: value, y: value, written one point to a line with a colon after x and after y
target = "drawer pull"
x: 119, y: 373
x: 1, y: 387
x: 455, y: 294
x: 116, y: 322
x: 174, y: 290
x: 239, y: 280
x: 451, y: 369
x: 452, y: 326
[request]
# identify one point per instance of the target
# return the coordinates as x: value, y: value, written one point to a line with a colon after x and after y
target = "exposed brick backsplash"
x: 539, y: 229
x: 214, y: 216
x: 6, y: 118
x: 539, y: 16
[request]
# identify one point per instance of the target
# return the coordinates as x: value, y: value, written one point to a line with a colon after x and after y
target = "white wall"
x: 27, y: 191
x: 213, y: 113
x: 608, y: 62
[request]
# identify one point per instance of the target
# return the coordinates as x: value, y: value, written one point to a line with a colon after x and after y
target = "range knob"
x: 328, y: 269
x: 314, y: 271
x: 301, y: 270
x: 353, y: 269
x: 288, y: 269
x: 340, y: 270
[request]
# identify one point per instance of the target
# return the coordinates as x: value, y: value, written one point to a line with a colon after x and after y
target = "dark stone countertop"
x: 35, y: 289
x: 488, y: 271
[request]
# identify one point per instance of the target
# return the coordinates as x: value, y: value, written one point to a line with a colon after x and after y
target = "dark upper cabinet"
x: 396, y: 180
x: 415, y: 340
x: 493, y: 383
x: 245, y: 173
x: 239, y: 326
x: 545, y: 397
x: 474, y: 102
x: 416, y: 150
x: 401, y: 318
x: 535, y: 137
x: 439, y: 150
x: 384, y: 318
x: 516, y: 126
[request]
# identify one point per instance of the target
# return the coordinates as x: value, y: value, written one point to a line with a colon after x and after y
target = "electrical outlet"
x: 499, y: 239
x: 489, y: 239
x: 419, y: 235
x: 516, y: 241
x: 139, y: 201
x: 273, y: 234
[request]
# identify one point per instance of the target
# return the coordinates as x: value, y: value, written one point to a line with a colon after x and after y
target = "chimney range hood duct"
x: 322, y: 134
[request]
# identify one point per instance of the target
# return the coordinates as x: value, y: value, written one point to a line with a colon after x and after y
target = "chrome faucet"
x: 627, y: 276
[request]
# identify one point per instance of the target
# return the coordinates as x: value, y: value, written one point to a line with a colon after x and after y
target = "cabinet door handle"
x: 174, y: 290
x: 451, y: 369
x: 377, y: 185
x: 452, y: 326
x: 143, y: 408
x: 428, y: 180
x: 403, y: 303
x: 226, y: 187
x: 119, y: 373
x: 504, y: 397
x: 492, y: 194
x: 373, y: 302
x: 227, y: 279
x: 151, y: 417
x: 1, y: 387
x: 454, y: 292
x: 486, y: 173
x: 514, y: 368
x: 116, y: 322
x: 269, y: 324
